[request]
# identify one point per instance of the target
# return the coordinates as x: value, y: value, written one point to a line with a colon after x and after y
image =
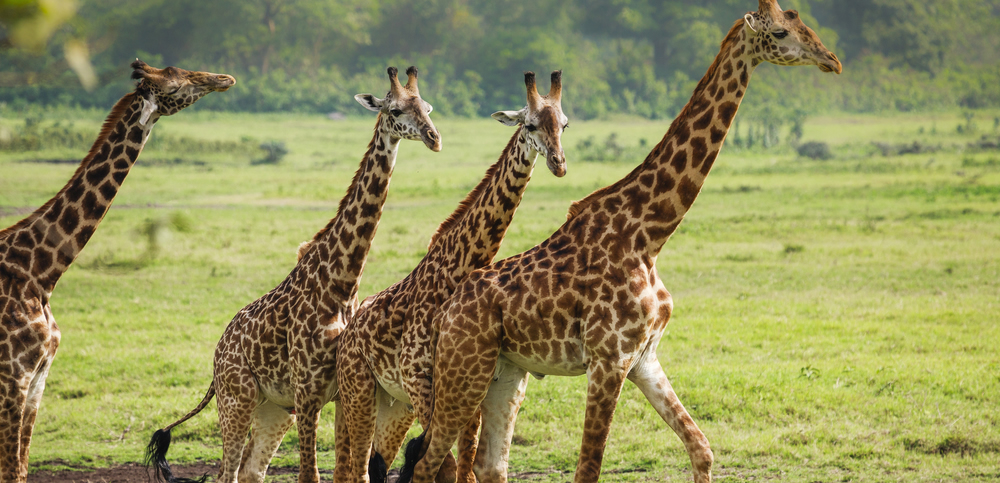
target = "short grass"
x: 834, y: 320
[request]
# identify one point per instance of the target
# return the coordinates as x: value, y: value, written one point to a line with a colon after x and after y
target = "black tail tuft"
x: 378, y: 471
x: 156, y: 456
x: 410, y: 458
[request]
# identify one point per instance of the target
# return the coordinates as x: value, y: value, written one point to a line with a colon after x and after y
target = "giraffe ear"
x: 751, y: 23
x: 148, y: 108
x: 509, y: 118
x: 370, y: 102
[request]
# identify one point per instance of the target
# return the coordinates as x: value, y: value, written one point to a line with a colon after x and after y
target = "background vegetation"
x: 639, y: 57
x: 835, y: 317
x: 836, y: 284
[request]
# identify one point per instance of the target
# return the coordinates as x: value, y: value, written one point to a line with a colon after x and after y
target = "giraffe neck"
x: 472, y: 235
x: 657, y: 194
x: 46, y: 243
x: 337, y: 255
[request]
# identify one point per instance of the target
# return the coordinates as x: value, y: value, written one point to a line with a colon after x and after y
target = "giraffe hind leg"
x: 649, y: 377
x: 270, y: 423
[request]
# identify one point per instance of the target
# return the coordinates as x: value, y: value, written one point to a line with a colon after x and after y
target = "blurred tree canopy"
x: 641, y: 57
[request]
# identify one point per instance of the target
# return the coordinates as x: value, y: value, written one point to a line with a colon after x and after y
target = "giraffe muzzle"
x: 830, y: 63
x: 223, y: 82
x: 556, y: 163
x: 432, y: 139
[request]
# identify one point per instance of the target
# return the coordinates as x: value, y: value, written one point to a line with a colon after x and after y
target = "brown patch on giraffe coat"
x: 699, y: 149
x: 716, y: 135
x: 92, y: 209
x: 688, y: 191
x: 703, y: 122
x: 664, y: 182
x: 709, y: 161
x: 69, y: 220
x: 679, y: 161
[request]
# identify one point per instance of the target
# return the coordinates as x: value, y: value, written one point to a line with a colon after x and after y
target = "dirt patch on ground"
x: 131, y: 473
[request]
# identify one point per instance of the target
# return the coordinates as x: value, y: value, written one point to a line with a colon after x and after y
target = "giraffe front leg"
x: 649, y: 377
x: 359, y: 408
x: 499, y: 412
x: 465, y: 362
x: 604, y: 385
x: 468, y: 448
x: 341, y: 445
x: 420, y: 388
x: 11, y: 420
x: 307, y: 421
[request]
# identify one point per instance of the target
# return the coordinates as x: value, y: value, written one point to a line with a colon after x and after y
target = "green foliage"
x: 833, y: 320
x: 588, y: 149
x: 33, y: 134
x: 815, y: 150
x: 636, y: 57
x: 274, y: 152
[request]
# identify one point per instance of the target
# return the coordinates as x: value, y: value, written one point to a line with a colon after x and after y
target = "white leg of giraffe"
x: 270, y: 423
x: 393, y: 421
x: 648, y: 376
x: 503, y: 400
x: 33, y: 399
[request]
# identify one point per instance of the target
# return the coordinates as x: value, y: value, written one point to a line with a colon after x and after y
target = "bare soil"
x: 131, y: 473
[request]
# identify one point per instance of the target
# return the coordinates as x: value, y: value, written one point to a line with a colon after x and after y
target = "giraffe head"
x: 407, y: 114
x: 543, y: 121
x: 780, y: 37
x: 166, y: 91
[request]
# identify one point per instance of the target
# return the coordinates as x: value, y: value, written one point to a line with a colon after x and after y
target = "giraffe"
x: 275, y: 363
x: 588, y: 300
x: 381, y: 353
x: 36, y: 251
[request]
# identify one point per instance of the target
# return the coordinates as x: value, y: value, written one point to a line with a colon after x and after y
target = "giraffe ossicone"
x: 588, y: 300
x: 36, y: 251
x: 275, y: 364
x: 385, y: 355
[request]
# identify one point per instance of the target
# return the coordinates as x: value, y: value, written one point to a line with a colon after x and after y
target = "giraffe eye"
x: 530, y: 127
x: 396, y: 112
x: 780, y: 34
x: 566, y: 126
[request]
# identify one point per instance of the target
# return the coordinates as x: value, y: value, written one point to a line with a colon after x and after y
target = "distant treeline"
x: 641, y: 57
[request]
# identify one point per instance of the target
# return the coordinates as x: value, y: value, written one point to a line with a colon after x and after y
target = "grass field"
x: 834, y: 320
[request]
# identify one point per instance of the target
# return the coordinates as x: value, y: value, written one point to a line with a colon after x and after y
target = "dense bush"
x: 618, y: 57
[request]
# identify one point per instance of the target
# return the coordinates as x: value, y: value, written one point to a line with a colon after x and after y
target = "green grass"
x: 834, y: 320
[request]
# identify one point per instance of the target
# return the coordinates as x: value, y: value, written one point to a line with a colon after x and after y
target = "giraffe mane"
x: 476, y: 192
x: 577, y: 207
x: 117, y: 112
x: 303, y: 250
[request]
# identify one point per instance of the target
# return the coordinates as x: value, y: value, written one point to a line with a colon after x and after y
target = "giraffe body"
x: 275, y: 363
x: 385, y: 353
x: 588, y: 300
x: 36, y: 251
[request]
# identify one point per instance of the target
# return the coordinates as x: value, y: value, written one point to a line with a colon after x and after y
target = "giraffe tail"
x: 414, y: 452
x: 378, y: 470
x: 156, y: 451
